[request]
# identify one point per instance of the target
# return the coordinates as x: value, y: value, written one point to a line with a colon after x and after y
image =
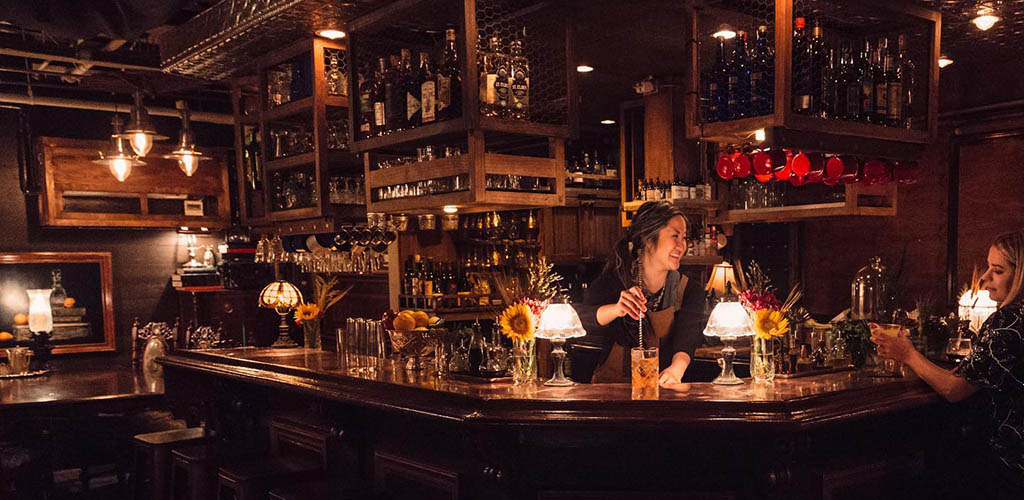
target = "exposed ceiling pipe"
x: 59, y: 102
x: 50, y: 57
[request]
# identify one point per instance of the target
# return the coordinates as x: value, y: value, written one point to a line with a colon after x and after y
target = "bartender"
x: 641, y: 282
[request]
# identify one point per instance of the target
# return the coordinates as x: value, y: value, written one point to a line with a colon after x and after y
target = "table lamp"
x: 282, y: 297
x: 559, y: 322
x: 729, y: 321
x: 723, y: 280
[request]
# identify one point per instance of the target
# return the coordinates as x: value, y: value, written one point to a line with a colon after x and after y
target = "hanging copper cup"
x: 725, y: 167
x: 782, y: 162
x: 762, y: 166
x: 851, y: 170
x: 906, y: 172
x: 876, y: 172
x: 801, y: 164
x: 833, y: 169
x: 817, y: 169
x: 741, y: 165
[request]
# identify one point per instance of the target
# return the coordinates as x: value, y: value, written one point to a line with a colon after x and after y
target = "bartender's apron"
x: 616, y: 369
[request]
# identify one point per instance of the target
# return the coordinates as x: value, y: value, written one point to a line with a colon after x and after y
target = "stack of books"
x: 190, y: 277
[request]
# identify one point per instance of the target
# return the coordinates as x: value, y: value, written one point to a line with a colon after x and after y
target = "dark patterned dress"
x: 996, y: 364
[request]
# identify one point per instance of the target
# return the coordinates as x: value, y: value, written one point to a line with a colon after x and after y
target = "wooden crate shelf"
x: 686, y: 205
x: 289, y: 109
x: 786, y: 128
x: 877, y: 201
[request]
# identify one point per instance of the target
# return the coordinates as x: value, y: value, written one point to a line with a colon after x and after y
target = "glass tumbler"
x: 644, y: 381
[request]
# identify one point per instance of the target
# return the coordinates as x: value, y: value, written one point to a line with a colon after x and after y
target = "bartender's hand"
x: 631, y: 302
x: 675, y: 371
x: 895, y: 348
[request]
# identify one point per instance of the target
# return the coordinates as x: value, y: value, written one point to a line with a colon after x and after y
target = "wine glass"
x: 958, y: 348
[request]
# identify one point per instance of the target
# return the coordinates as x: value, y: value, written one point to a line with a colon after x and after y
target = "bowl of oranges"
x: 410, y: 333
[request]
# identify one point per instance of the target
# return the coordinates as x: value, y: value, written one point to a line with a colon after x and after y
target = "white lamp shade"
x: 560, y: 321
x: 721, y: 275
x: 40, y: 315
x: 729, y: 319
x: 976, y: 308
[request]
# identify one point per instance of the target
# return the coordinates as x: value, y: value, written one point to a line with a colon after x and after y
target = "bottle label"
x: 895, y: 101
x: 756, y: 92
x: 501, y: 87
x: 852, y: 101
x: 677, y: 192
x: 881, y: 99
x: 488, y: 95
x: 866, y: 97
x: 803, y: 102
x: 520, y: 90
x: 379, y: 118
x: 427, y: 102
x: 412, y: 106
x: 366, y: 110
x: 444, y: 92
x: 731, y: 91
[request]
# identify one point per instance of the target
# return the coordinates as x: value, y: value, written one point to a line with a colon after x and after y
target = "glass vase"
x: 762, y: 359
x: 311, y: 333
x: 524, y: 362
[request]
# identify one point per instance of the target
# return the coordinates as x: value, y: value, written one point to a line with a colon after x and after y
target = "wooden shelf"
x: 336, y: 101
x: 877, y: 201
x: 292, y: 161
x: 591, y: 177
x: 685, y: 204
x: 434, y: 131
x: 304, y: 105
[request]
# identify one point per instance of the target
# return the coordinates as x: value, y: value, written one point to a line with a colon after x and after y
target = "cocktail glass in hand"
x: 888, y: 367
x: 645, y: 372
x: 958, y: 348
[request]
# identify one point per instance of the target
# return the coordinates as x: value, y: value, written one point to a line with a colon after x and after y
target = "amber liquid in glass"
x: 644, y: 382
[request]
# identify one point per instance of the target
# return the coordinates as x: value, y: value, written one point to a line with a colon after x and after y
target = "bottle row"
x: 500, y: 226
x: 425, y: 153
x: 858, y: 80
x: 293, y: 80
x: 656, y: 189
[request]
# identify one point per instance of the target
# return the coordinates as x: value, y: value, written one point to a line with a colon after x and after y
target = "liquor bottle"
x: 832, y: 92
x: 519, y: 82
x: 488, y: 77
x: 802, y: 88
x: 380, y: 91
x: 502, y: 71
x: 428, y: 277
x: 407, y: 277
x: 337, y: 83
x: 428, y: 90
x: 718, y: 83
x: 865, y: 72
x: 818, y: 59
x: 894, y: 91
x: 881, y: 90
x: 532, y: 230
x: 395, y: 96
x: 411, y: 105
x: 907, y: 71
x: 738, y: 83
x: 850, y: 98
x: 414, y: 281
x: 449, y: 80
x: 762, y: 75
x: 641, y: 191
x: 253, y: 162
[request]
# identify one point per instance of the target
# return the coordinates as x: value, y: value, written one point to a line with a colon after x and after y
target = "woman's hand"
x: 675, y: 371
x: 631, y: 302
x: 898, y: 348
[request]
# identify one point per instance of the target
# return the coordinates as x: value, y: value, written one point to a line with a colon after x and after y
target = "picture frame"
x: 83, y: 314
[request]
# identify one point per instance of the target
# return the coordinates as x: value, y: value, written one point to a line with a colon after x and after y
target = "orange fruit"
x: 5, y: 336
x: 404, y: 322
x: 69, y: 302
x: 422, y: 318
x: 21, y: 319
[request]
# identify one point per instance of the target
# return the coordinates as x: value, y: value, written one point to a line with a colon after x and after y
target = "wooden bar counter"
x: 412, y: 435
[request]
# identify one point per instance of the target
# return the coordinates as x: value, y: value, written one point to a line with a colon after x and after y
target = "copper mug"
x: 18, y: 359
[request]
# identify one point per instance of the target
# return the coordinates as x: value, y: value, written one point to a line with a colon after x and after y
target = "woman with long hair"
x: 995, y: 366
x: 641, y: 282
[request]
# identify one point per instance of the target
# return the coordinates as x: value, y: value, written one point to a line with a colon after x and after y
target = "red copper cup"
x: 781, y: 159
x: 876, y: 172
x: 801, y: 165
x: 851, y: 170
x: 833, y: 169
x: 762, y: 163
x: 741, y: 165
x: 817, y: 170
x: 906, y: 172
x: 725, y: 167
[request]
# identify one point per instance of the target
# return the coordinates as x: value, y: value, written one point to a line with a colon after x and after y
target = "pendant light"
x: 186, y: 154
x: 119, y: 160
x: 986, y: 17
x: 140, y: 131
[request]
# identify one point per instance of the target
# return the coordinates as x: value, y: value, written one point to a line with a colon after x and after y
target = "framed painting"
x: 80, y: 299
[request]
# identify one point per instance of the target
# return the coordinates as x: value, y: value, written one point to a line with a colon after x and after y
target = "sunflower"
x: 517, y: 322
x: 306, y: 312
x: 770, y: 323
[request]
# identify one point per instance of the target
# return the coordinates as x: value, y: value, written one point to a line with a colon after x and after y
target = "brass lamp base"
x: 283, y: 340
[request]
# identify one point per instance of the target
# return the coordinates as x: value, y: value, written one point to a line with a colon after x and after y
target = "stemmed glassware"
x: 352, y: 249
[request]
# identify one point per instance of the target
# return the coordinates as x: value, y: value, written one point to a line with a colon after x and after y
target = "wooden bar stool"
x: 193, y: 472
x: 153, y: 459
x: 254, y: 478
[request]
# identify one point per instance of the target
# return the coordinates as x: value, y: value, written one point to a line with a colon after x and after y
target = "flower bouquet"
x: 520, y: 319
x: 309, y: 314
x: 770, y: 317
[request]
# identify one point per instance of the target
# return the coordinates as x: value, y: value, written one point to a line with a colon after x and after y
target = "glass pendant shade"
x: 116, y: 157
x: 140, y: 131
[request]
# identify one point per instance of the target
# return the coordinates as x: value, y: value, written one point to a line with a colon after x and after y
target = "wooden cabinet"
x: 585, y: 232
x: 80, y: 193
x: 237, y: 311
